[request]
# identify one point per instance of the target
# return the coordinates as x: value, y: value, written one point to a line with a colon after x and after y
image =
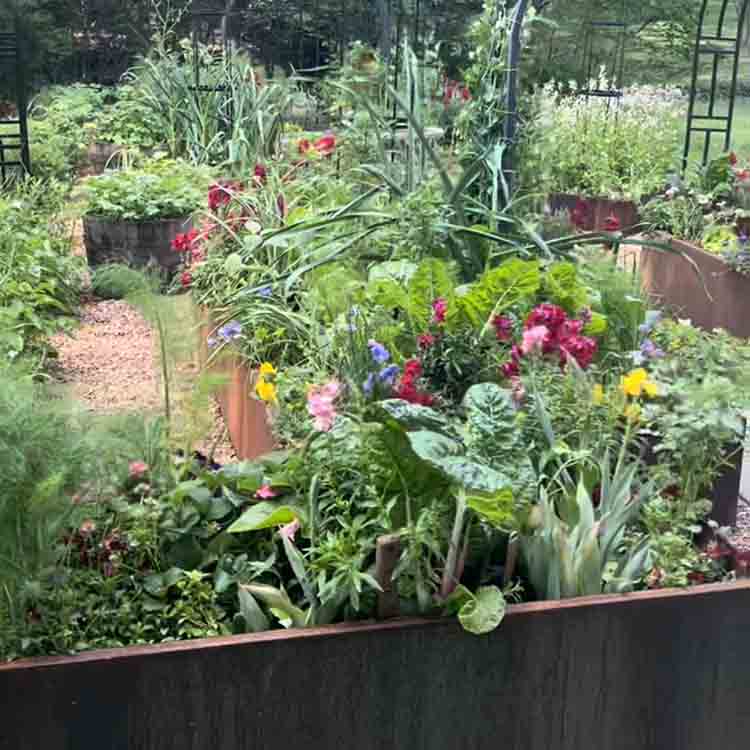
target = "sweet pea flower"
x: 289, y: 530
x: 136, y: 469
x: 320, y: 404
x: 266, y: 492
x: 534, y: 338
x: 380, y: 354
x: 503, y: 327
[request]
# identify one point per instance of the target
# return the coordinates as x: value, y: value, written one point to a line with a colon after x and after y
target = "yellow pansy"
x: 637, y: 384
x: 266, y: 391
x: 632, y: 383
x: 267, y: 369
x: 597, y: 394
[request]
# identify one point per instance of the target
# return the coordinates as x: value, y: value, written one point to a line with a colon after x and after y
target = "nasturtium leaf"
x: 484, y: 611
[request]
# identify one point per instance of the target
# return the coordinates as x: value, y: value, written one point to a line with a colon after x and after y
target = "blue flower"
x: 650, y: 350
x: 265, y: 292
x: 388, y: 374
x: 230, y: 331
x: 369, y: 384
x: 379, y: 353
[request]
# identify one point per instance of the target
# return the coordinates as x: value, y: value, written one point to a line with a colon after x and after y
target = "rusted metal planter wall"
x: 648, y: 671
x: 672, y: 281
x: 246, y: 418
x: 595, y: 211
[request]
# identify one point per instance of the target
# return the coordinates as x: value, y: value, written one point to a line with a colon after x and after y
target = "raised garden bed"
x: 673, y: 282
x: 246, y: 418
x: 137, y: 243
x: 646, y: 671
x: 592, y: 214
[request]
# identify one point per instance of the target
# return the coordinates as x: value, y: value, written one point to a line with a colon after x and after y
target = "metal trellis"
x: 604, y: 45
x: 719, y: 38
x: 14, y: 133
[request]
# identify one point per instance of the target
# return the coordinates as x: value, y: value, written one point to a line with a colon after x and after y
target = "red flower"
x: 407, y: 389
x: 186, y: 279
x: 425, y: 341
x: 696, y: 578
x: 503, y: 327
x: 220, y: 193
x: 325, y: 145
x: 550, y: 316
x: 612, y: 224
x: 581, y: 348
x: 303, y: 145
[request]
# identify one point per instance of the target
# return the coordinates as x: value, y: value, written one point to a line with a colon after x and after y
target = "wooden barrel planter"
x: 655, y: 670
x: 246, y: 418
x: 674, y: 283
x: 99, y: 155
x: 594, y: 212
x: 137, y: 243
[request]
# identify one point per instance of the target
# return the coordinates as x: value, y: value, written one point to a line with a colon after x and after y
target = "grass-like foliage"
x: 116, y: 281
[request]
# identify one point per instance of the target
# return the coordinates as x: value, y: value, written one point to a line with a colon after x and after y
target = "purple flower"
x: 379, y: 353
x: 212, y: 342
x: 388, y: 374
x: 265, y: 292
x: 652, y: 318
x: 230, y: 331
x: 369, y: 385
x: 650, y: 350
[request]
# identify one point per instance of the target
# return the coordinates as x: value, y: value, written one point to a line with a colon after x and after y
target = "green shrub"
x: 117, y: 281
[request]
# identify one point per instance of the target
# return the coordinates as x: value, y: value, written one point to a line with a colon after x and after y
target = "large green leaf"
x: 415, y: 417
x: 254, y: 617
x: 496, y: 508
x: 484, y: 611
x: 265, y: 515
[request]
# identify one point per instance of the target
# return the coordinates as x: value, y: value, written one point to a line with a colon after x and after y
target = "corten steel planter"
x: 656, y: 670
x: 672, y: 281
x: 594, y: 212
x: 137, y: 243
x: 246, y: 418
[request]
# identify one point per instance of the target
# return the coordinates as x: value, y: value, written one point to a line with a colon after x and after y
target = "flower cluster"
x: 548, y: 331
x: 220, y: 193
x: 93, y: 550
x: 386, y: 375
x: 226, y: 334
x: 321, y: 404
x: 455, y: 92
x: 408, y: 390
x: 324, y: 146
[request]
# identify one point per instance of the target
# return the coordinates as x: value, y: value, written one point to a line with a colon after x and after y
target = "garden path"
x: 109, y: 365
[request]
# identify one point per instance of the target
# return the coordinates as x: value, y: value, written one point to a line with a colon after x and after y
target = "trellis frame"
x: 11, y: 49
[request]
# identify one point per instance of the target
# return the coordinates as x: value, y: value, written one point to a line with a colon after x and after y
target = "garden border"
x: 650, y: 670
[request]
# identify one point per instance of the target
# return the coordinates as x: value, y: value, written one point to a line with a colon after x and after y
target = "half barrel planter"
x: 99, y: 156
x: 247, y: 419
x: 717, y: 297
x: 136, y: 243
x: 595, y: 211
x: 654, y: 670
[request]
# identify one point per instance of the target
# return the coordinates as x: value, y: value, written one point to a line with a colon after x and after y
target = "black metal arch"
x: 14, y: 139
x: 719, y: 38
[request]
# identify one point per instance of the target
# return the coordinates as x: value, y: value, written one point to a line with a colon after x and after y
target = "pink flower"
x: 612, y: 224
x: 320, y: 404
x: 548, y: 315
x: 439, y: 311
x: 260, y: 173
x: 136, y: 469
x: 534, y: 339
x: 289, y: 530
x: 581, y: 348
x: 266, y: 492
x: 87, y: 527
x: 325, y: 145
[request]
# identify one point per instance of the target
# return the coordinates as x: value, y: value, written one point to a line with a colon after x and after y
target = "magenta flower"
x: 425, y: 341
x: 266, y: 492
x: 534, y: 339
x: 503, y: 327
x: 439, y: 311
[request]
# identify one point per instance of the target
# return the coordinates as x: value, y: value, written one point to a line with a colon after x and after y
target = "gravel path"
x: 108, y: 364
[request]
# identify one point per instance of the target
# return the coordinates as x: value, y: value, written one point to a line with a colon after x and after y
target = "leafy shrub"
x: 39, y: 277
x: 116, y: 281
x: 590, y: 146
x: 162, y: 189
